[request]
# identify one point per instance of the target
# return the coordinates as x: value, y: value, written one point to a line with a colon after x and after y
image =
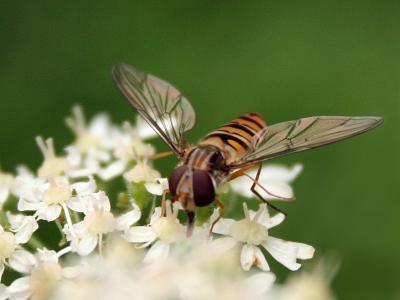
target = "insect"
x: 229, y: 151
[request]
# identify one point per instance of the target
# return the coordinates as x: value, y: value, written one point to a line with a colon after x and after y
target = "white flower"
x: 98, y: 220
x: 6, y: 182
x: 161, y: 233
x: 52, y: 165
x: 143, y: 172
x: 86, y: 235
x: 11, y: 251
x: 130, y: 145
x: 94, y: 137
x: 42, y: 274
x: 91, y: 152
x: 48, y: 199
x: 274, y: 178
x: 252, y: 232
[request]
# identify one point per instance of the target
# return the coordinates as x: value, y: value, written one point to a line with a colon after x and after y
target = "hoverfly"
x: 229, y: 151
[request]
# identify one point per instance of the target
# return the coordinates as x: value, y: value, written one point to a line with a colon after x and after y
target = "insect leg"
x: 160, y: 155
x: 163, y: 202
x: 240, y: 172
x: 255, y: 182
x: 221, y: 214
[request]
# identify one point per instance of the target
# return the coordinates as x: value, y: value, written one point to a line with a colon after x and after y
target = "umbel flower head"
x: 121, y: 244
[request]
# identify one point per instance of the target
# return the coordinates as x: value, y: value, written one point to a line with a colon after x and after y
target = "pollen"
x: 100, y: 222
x: 249, y: 231
x: 57, y: 194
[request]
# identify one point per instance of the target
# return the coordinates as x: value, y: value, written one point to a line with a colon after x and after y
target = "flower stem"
x: 35, y: 243
x: 68, y: 218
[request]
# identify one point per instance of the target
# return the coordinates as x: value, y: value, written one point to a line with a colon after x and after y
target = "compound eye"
x: 174, y: 179
x: 203, y: 188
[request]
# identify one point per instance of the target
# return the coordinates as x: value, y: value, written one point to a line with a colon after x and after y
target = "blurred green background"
x: 283, y: 59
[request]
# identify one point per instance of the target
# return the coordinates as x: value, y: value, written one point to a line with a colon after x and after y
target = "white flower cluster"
x: 126, y: 248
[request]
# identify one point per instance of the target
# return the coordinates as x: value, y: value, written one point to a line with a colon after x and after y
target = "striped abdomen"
x: 237, y: 138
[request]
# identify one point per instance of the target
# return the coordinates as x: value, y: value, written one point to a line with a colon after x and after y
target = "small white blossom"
x: 52, y: 165
x: 143, y: 172
x: 87, y: 234
x: 98, y: 220
x: 130, y: 145
x: 42, y: 274
x: 93, y: 146
x: 11, y: 252
x: 274, y: 182
x: 161, y: 233
x: 48, y: 199
x: 252, y: 232
x: 93, y: 137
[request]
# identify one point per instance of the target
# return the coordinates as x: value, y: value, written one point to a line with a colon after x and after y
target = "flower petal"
x: 25, y: 231
x: 76, y: 204
x: 112, y: 170
x: 287, y: 252
x: 86, y: 244
x: 46, y: 255
x: 49, y: 212
x: 251, y: 255
x: 279, y: 173
x: 159, y: 251
x: 24, y: 205
x: 154, y: 188
x: 123, y: 222
x: 222, y: 226
x: 139, y: 234
x: 20, y: 288
x: 22, y: 261
x: 3, y: 292
x: 85, y: 187
x: 275, y: 189
x: 267, y: 221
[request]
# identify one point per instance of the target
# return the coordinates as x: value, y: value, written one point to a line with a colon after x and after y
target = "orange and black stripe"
x: 242, y: 134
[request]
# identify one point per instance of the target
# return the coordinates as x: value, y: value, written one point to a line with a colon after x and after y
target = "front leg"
x: 221, y: 214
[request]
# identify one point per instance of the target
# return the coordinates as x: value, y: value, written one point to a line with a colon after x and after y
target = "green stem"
x: 35, y: 243
x: 59, y: 226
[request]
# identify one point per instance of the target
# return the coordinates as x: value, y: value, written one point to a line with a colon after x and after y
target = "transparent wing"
x: 307, y: 133
x: 166, y: 110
